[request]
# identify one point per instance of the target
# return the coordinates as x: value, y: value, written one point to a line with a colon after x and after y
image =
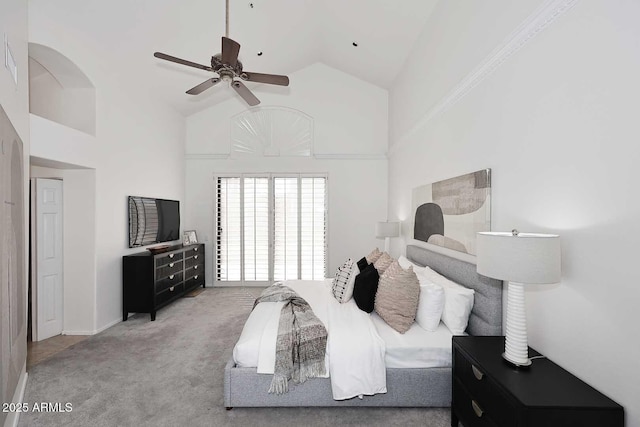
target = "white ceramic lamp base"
x: 516, y: 350
x: 387, y: 244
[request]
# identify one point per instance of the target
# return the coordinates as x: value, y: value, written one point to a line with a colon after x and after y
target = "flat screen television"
x: 153, y: 221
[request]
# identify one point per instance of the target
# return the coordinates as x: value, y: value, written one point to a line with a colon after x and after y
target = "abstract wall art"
x: 449, y: 213
x: 13, y: 284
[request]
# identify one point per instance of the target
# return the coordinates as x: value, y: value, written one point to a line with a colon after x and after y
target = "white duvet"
x: 355, y: 351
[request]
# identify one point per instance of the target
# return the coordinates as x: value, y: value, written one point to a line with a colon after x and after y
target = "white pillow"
x: 405, y: 263
x: 430, y: 305
x: 348, y: 292
x: 342, y: 285
x: 458, y: 302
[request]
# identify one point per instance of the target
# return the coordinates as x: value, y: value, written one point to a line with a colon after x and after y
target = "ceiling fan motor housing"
x: 218, y: 65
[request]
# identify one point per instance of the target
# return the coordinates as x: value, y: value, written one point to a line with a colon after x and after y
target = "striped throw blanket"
x: 302, y: 339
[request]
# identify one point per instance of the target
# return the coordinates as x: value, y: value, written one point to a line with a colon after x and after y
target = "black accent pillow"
x: 365, y: 288
x: 362, y: 264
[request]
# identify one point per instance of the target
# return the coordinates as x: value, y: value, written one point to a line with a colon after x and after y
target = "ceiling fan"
x: 229, y: 69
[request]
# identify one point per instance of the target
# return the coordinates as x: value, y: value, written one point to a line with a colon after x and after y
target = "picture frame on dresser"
x: 189, y: 237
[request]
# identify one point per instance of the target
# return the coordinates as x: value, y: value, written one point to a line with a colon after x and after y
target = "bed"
x: 406, y: 387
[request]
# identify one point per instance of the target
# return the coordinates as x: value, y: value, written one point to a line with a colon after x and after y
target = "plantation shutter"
x: 270, y: 228
x: 228, y: 237
x: 256, y: 229
x: 285, y: 262
x: 313, y: 219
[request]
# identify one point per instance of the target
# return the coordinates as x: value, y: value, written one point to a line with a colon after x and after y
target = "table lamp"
x: 385, y: 230
x: 519, y: 258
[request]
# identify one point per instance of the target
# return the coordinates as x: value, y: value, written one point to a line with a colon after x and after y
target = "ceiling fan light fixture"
x: 227, y: 66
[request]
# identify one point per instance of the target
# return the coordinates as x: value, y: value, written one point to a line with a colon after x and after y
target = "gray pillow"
x: 397, y: 297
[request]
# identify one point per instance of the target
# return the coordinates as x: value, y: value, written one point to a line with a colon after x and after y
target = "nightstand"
x: 489, y: 392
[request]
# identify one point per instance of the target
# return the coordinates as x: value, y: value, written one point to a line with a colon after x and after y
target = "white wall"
x: 54, y: 141
x: 138, y: 150
x: 350, y: 124
x: 557, y: 124
x: 15, y: 101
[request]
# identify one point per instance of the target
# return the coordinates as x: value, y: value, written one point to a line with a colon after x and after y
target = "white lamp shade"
x: 387, y: 229
x: 522, y: 257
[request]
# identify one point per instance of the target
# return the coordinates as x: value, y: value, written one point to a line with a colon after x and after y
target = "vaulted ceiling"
x: 289, y: 34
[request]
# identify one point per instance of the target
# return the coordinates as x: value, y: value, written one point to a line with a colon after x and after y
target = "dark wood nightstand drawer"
x: 470, y: 411
x: 542, y: 395
x: 484, y: 390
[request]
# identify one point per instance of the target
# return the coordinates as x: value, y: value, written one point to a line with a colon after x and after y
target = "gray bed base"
x: 424, y: 387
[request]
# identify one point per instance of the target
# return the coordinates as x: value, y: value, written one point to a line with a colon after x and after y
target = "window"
x: 270, y: 228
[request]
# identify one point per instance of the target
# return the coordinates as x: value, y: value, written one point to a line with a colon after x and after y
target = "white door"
x: 47, y: 291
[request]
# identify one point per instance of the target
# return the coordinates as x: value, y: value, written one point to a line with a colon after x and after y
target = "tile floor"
x: 42, y: 350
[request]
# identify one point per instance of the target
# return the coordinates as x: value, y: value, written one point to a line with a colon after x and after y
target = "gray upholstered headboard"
x: 486, y: 315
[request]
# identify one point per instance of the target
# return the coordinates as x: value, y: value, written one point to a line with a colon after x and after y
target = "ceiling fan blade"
x: 230, y: 51
x: 181, y: 61
x: 272, y: 79
x: 245, y: 93
x: 203, y: 86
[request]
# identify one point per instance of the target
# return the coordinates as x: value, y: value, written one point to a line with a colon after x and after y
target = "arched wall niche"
x: 59, y: 90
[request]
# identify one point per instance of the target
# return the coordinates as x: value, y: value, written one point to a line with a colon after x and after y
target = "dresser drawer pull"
x: 195, y: 277
x: 171, y: 289
x: 195, y: 249
x: 171, y: 255
x: 171, y: 277
x: 195, y: 268
x: 195, y: 257
x: 171, y: 264
x: 477, y: 373
x: 476, y: 408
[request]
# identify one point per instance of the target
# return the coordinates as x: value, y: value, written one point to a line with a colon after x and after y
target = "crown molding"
x: 205, y: 156
x: 527, y: 30
x: 317, y: 156
x: 339, y: 156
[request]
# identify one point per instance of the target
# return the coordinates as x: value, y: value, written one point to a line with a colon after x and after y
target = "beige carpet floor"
x: 170, y: 373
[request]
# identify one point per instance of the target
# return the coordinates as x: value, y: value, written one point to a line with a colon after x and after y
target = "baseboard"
x: 13, y: 417
x: 107, y: 326
x: 245, y: 285
x: 93, y: 332
x: 78, y: 332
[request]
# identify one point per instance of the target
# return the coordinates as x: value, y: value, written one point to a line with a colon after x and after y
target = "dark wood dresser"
x: 489, y: 392
x: 151, y: 281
